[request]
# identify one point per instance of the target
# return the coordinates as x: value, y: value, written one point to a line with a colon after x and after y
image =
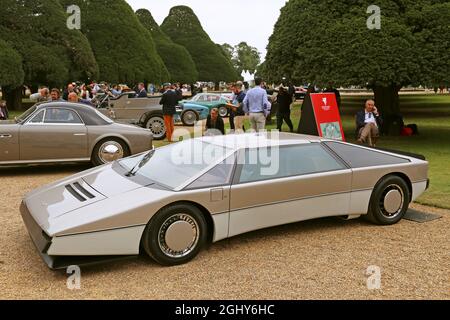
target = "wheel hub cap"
x: 393, y: 201
x: 111, y: 151
x: 156, y: 126
x: 178, y: 236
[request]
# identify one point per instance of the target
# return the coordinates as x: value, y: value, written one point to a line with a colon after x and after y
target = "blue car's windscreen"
x: 176, y: 164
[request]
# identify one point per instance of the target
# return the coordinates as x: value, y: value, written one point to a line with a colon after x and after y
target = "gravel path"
x: 322, y: 259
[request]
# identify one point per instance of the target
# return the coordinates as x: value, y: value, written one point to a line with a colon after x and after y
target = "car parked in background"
x: 200, y: 106
x: 68, y: 132
x: 300, y: 92
x: 126, y: 108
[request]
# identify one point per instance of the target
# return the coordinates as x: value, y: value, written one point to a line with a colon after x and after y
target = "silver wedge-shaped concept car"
x: 170, y: 201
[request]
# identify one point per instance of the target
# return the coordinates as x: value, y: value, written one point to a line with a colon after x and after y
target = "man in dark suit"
x: 368, y: 123
x: 169, y: 101
x: 214, y: 124
x: 142, y: 92
x: 3, y: 110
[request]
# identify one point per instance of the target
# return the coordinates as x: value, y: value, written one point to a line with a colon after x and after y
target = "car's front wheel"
x: 109, y: 150
x: 389, y: 202
x: 175, y: 235
x: 189, y: 118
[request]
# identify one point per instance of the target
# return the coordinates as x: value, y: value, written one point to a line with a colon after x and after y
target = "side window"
x: 61, y: 116
x: 202, y: 98
x: 38, y: 118
x: 220, y: 175
x: 358, y: 157
x: 264, y: 164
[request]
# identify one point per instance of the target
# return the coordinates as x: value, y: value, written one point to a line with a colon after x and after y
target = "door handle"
x: 79, y: 134
x: 2, y: 136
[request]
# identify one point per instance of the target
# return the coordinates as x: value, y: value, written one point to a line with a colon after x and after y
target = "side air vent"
x: 83, y: 190
x: 79, y: 192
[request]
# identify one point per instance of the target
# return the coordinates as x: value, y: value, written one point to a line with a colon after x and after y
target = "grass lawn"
x: 431, y: 113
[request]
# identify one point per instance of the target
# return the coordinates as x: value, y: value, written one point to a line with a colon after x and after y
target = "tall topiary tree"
x: 177, y: 59
x: 184, y: 28
x: 11, y: 71
x: 124, y: 49
x: 50, y: 53
x: 325, y: 40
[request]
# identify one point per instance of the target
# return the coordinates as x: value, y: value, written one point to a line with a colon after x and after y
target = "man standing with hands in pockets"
x: 257, y: 106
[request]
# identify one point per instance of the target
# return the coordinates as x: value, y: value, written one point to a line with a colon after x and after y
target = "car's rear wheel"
x: 109, y: 150
x: 389, y: 202
x: 189, y: 118
x: 223, y: 111
x: 175, y: 235
x: 155, y: 123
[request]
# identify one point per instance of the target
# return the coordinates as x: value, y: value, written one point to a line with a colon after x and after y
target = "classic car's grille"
x: 41, y: 240
x: 79, y: 192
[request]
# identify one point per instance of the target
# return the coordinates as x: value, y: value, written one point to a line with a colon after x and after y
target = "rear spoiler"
x: 408, y: 154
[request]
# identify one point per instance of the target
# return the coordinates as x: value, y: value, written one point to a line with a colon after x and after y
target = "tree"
x: 177, y: 59
x: 50, y: 53
x: 184, y: 28
x: 325, y: 41
x: 11, y: 71
x: 243, y: 57
x: 123, y: 48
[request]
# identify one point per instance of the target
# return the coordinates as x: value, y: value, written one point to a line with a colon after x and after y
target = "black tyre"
x: 175, y: 235
x: 389, y: 202
x: 189, y: 118
x: 155, y: 123
x: 109, y: 150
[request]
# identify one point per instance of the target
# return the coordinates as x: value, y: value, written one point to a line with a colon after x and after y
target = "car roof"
x: 87, y: 113
x: 260, y: 140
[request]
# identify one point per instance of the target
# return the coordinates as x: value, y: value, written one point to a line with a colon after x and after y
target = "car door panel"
x: 265, y: 204
x: 9, y: 142
x: 53, y: 142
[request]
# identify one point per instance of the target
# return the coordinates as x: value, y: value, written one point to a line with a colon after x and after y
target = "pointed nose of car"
x: 51, y: 203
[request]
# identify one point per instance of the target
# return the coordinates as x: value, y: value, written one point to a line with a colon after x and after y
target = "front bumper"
x: 43, y: 242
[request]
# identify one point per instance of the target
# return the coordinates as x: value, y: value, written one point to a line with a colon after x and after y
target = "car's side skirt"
x: 255, y: 218
x: 123, y: 241
x: 21, y: 162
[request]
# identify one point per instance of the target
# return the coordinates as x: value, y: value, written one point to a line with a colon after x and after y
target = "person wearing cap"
x: 169, y: 101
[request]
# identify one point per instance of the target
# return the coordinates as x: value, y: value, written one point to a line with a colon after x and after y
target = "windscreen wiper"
x: 141, y: 163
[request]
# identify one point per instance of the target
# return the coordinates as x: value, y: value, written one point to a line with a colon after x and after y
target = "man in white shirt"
x: 368, y: 123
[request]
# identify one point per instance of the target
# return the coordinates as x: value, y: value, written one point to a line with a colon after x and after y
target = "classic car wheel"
x: 109, y: 150
x: 189, y: 118
x: 389, y: 201
x: 156, y: 125
x: 175, y: 235
x: 223, y: 111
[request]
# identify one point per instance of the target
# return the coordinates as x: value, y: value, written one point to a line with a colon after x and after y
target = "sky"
x: 227, y: 21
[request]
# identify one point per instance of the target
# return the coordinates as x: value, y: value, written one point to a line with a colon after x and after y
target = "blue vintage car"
x: 198, y: 108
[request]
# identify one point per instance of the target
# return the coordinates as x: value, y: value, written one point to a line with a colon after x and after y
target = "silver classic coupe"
x: 68, y: 132
x: 171, y: 201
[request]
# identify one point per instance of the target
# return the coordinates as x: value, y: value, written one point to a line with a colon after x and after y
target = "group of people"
x: 253, y: 104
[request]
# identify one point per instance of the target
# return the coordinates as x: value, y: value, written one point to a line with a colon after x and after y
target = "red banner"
x: 328, y: 118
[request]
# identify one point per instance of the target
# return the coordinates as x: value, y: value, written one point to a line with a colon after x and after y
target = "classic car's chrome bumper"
x: 43, y: 242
